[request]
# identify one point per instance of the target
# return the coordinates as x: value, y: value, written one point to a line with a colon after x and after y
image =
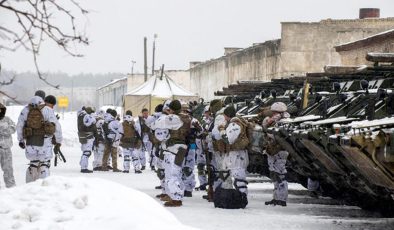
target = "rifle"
x: 58, y: 154
x: 208, y: 160
x: 139, y: 136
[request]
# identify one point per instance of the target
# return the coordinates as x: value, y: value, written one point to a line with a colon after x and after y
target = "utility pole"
x: 145, y: 61
x: 132, y: 67
x: 153, y: 55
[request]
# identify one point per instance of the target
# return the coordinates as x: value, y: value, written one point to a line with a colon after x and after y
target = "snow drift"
x: 81, y: 203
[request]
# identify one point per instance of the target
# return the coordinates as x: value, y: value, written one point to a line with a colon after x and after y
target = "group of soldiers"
x: 215, y: 143
x: 103, y: 134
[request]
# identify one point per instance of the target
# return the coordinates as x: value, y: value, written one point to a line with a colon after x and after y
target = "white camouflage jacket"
x: 7, y: 128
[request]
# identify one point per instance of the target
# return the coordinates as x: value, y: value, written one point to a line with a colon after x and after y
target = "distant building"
x: 354, y: 52
x: 303, y: 47
x: 77, y: 96
x: 112, y: 93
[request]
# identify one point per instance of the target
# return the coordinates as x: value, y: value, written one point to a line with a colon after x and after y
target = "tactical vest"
x: 129, y: 138
x: 82, y: 128
x: 85, y: 133
x: 144, y: 127
x: 179, y: 136
x: 242, y: 141
x: 34, y: 129
x: 100, y: 132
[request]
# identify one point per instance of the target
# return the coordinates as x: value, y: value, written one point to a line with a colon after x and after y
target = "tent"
x: 153, y: 92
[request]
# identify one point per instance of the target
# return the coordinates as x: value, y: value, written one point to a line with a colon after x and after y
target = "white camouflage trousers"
x: 173, y: 177
x: 131, y: 154
x: 201, y: 163
x: 6, y: 166
x: 188, y: 170
x: 277, y: 167
x: 236, y: 163
x: 98, y: 155
x: 87, y: 150
x: 40, y: 160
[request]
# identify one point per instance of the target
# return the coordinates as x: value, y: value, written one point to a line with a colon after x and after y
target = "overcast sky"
x: 188, y: 30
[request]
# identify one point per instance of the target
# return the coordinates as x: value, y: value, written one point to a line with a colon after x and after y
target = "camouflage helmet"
x: 279, y: 107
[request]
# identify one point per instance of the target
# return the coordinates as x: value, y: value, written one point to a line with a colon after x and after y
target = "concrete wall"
x: 259, y: 62
x: 357, y: 56
x: 308, y: 47
x: 303, y: 47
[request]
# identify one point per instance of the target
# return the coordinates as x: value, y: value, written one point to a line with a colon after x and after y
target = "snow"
x: 367, y: 123
x: 332, y: 120
x: 81, y: 203
x: 301, y: 119
x: 126, y: 201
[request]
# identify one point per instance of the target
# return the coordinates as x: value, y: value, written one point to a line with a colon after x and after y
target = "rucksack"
x: 254, y: 133
x: 35, y: 119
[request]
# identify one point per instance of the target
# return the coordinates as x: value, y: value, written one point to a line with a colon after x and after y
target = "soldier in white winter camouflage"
x: 7, y: 128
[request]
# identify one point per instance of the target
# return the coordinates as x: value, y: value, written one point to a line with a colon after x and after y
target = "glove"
x: 22, y: 145
x: 56, y: 149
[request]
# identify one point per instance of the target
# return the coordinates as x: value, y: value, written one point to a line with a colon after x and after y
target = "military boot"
x: 281, y: 203
x: 187, y: 194
x: 160, y: 195
x: 158, y: 187
x: 125, y: 171
x: 116, y: 170
x: 138, y: 171
x: 143, y: 168
x: 173, y: 203
x: 86, y: 171
x: 272, y: 202
x: 98, y: 168
x: 105, y: 169
x: 165, y: 198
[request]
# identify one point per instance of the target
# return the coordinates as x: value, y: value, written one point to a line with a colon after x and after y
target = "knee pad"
x: 160, y: 174
x: 126, y: 158
x: 87, y: 153
x: 34, y: 165
x: 46, y: 164
x: 187, y: 171
x: 239, y: 184
x: 200, y: 169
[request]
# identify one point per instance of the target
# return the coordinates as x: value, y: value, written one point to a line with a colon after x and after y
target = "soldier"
x: 276, y: 156
x: 36, y: 127
x: 87, y: 131
x: 236, y: 159
x: 175, y: 150
x: 99, y: 142
x: 201, y: 159
x: 7, y: 128
x: 160, y: 135
x: 146, y: 136
x: 190, y: 158
x: 131, y: 143
x: 113, y: 131
x: 50, y: 101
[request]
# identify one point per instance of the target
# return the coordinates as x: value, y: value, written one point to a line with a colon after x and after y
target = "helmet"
x: 279, y: 107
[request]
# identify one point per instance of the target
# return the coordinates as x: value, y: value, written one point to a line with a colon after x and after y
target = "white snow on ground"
x: 81, y: 203
x: 123, y: 205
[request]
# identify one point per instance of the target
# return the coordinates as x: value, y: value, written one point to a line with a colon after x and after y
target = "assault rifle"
x: 208, y: 159
x: 58, y: 154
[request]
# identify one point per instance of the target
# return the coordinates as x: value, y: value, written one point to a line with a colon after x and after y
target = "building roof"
x: 365, y: 41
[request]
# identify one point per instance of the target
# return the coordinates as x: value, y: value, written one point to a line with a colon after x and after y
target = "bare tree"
x: 39, y: 20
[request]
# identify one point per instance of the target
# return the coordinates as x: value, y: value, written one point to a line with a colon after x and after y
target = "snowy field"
x: 107, y: 200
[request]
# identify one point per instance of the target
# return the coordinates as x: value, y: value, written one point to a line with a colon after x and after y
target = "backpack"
x: 35, y: 119
x: 254, y: 134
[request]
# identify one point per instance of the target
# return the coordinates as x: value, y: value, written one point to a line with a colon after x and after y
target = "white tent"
x: 154, y: 92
